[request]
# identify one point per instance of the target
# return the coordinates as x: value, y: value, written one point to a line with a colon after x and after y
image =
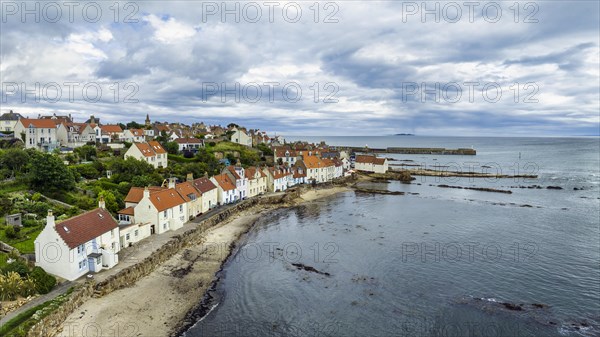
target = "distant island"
x: 404, y: 134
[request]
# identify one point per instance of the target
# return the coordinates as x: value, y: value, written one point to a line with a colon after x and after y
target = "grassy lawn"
x: 12, y: 187
x: 24, y: 244
x: 3, y: 258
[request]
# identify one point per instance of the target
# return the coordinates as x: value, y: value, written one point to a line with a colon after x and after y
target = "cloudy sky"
x: 334, y: 68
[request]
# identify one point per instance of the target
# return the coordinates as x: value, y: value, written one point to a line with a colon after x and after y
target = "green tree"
x: 5, y: 206
x: 126, y: 170
x: 171, y: 147
x: 86, y: 152
x: 14, y: 159
x: 47, y: 172
x: 133, y: 125
x: 110, y: 200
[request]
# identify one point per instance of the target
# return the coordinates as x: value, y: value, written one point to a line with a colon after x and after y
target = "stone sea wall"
x: 48, y: 325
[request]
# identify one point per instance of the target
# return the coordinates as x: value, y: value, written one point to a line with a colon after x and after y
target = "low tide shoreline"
x: 169, y: 300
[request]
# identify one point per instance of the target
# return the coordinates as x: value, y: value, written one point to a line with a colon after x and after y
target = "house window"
x: 135, y: 233
x: 127, y: 236
x: 180, y: 208
x: 82, y: 264
x: 165, y: 214
x: 80, y: 249
x: 165, y: 225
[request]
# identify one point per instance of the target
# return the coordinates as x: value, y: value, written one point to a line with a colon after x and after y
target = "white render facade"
x: 54, y: 255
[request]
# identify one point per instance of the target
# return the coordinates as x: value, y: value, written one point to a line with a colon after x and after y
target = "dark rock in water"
x: 540, y: 305
x: 526, y: 205
x: 482, y: 189
x: 554, y: 187
x: 369, y: 190
x: 514, y: 307
x: 301, y: 266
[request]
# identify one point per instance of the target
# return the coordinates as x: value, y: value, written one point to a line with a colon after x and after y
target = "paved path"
x: 127, y: 257
x: 59, y: 290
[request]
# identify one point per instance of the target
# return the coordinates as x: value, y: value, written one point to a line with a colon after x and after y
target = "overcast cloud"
x: 369, y: 65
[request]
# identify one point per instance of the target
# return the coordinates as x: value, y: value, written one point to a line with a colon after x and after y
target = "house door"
x: 152, y: 230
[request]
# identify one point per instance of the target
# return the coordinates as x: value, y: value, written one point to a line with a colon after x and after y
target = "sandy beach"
x: 157, y: 303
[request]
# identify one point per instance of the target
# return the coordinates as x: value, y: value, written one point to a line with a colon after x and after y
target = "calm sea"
x: 434, y: 262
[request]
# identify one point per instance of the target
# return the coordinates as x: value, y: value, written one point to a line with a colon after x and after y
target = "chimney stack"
x: 172, y: 182
x: 146, y: 193
x: 190, y: 177
x: 101, y: 203
x: 50, y: 218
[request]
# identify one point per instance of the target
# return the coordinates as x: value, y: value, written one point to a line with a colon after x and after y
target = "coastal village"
x: 188, y: 171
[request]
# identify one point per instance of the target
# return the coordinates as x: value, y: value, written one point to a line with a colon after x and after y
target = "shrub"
x: 11, y: 233
x: 18, y: 266
x: 10, y: 286
x: 36, y: 196
x: 44, y: 282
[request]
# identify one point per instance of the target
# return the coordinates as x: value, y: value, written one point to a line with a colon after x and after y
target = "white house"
x: 164, y: 210
x: 257, y: 181
x: 316, y: 169
x: 85, y: 243
x: 77, y: 134
x: 237, y: 173
x: 277, y: 178
x: 210, y: 193
x: 133, y: 135
x: 192, y: 197
x: 241, y: 137
x: 226, y: 191
x: 371, y: 164
x: 151, y: 152
x: 286, y: 156
x: 108, y: 133
x: 339, y: 168
x: 39, y: 134
x: 298, y: 175
x: 9, y: 120
x: 189, y: 144
x: 130, y: 231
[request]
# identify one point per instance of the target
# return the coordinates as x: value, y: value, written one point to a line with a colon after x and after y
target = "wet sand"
x: 156, y: 304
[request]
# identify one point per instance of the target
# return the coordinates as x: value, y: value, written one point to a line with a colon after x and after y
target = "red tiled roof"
x: 111, y: 128
x: 137, y: 193
x: 250, y: 172
x: 39, y: 123
x: 313, y: 162
x: 225, y: 182
x: 370, y: 160
x: 127, y: 211
x: 137, y: 132
x: 234, y: 172
x: 278, y: 173
x: 145, y: 149
x: 166, y: 199
x: 186, y: 189
x: 85, y: 227
x: 203, y: 185
x: 188, y: 141
x: 156, y: 147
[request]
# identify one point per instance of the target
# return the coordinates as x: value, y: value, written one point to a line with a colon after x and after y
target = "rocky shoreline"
x: 161, y: 296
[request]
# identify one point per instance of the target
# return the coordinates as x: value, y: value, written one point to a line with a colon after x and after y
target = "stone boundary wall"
x: 48, y: 326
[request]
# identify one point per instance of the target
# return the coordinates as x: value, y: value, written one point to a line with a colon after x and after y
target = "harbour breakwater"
x: 413, y: 150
